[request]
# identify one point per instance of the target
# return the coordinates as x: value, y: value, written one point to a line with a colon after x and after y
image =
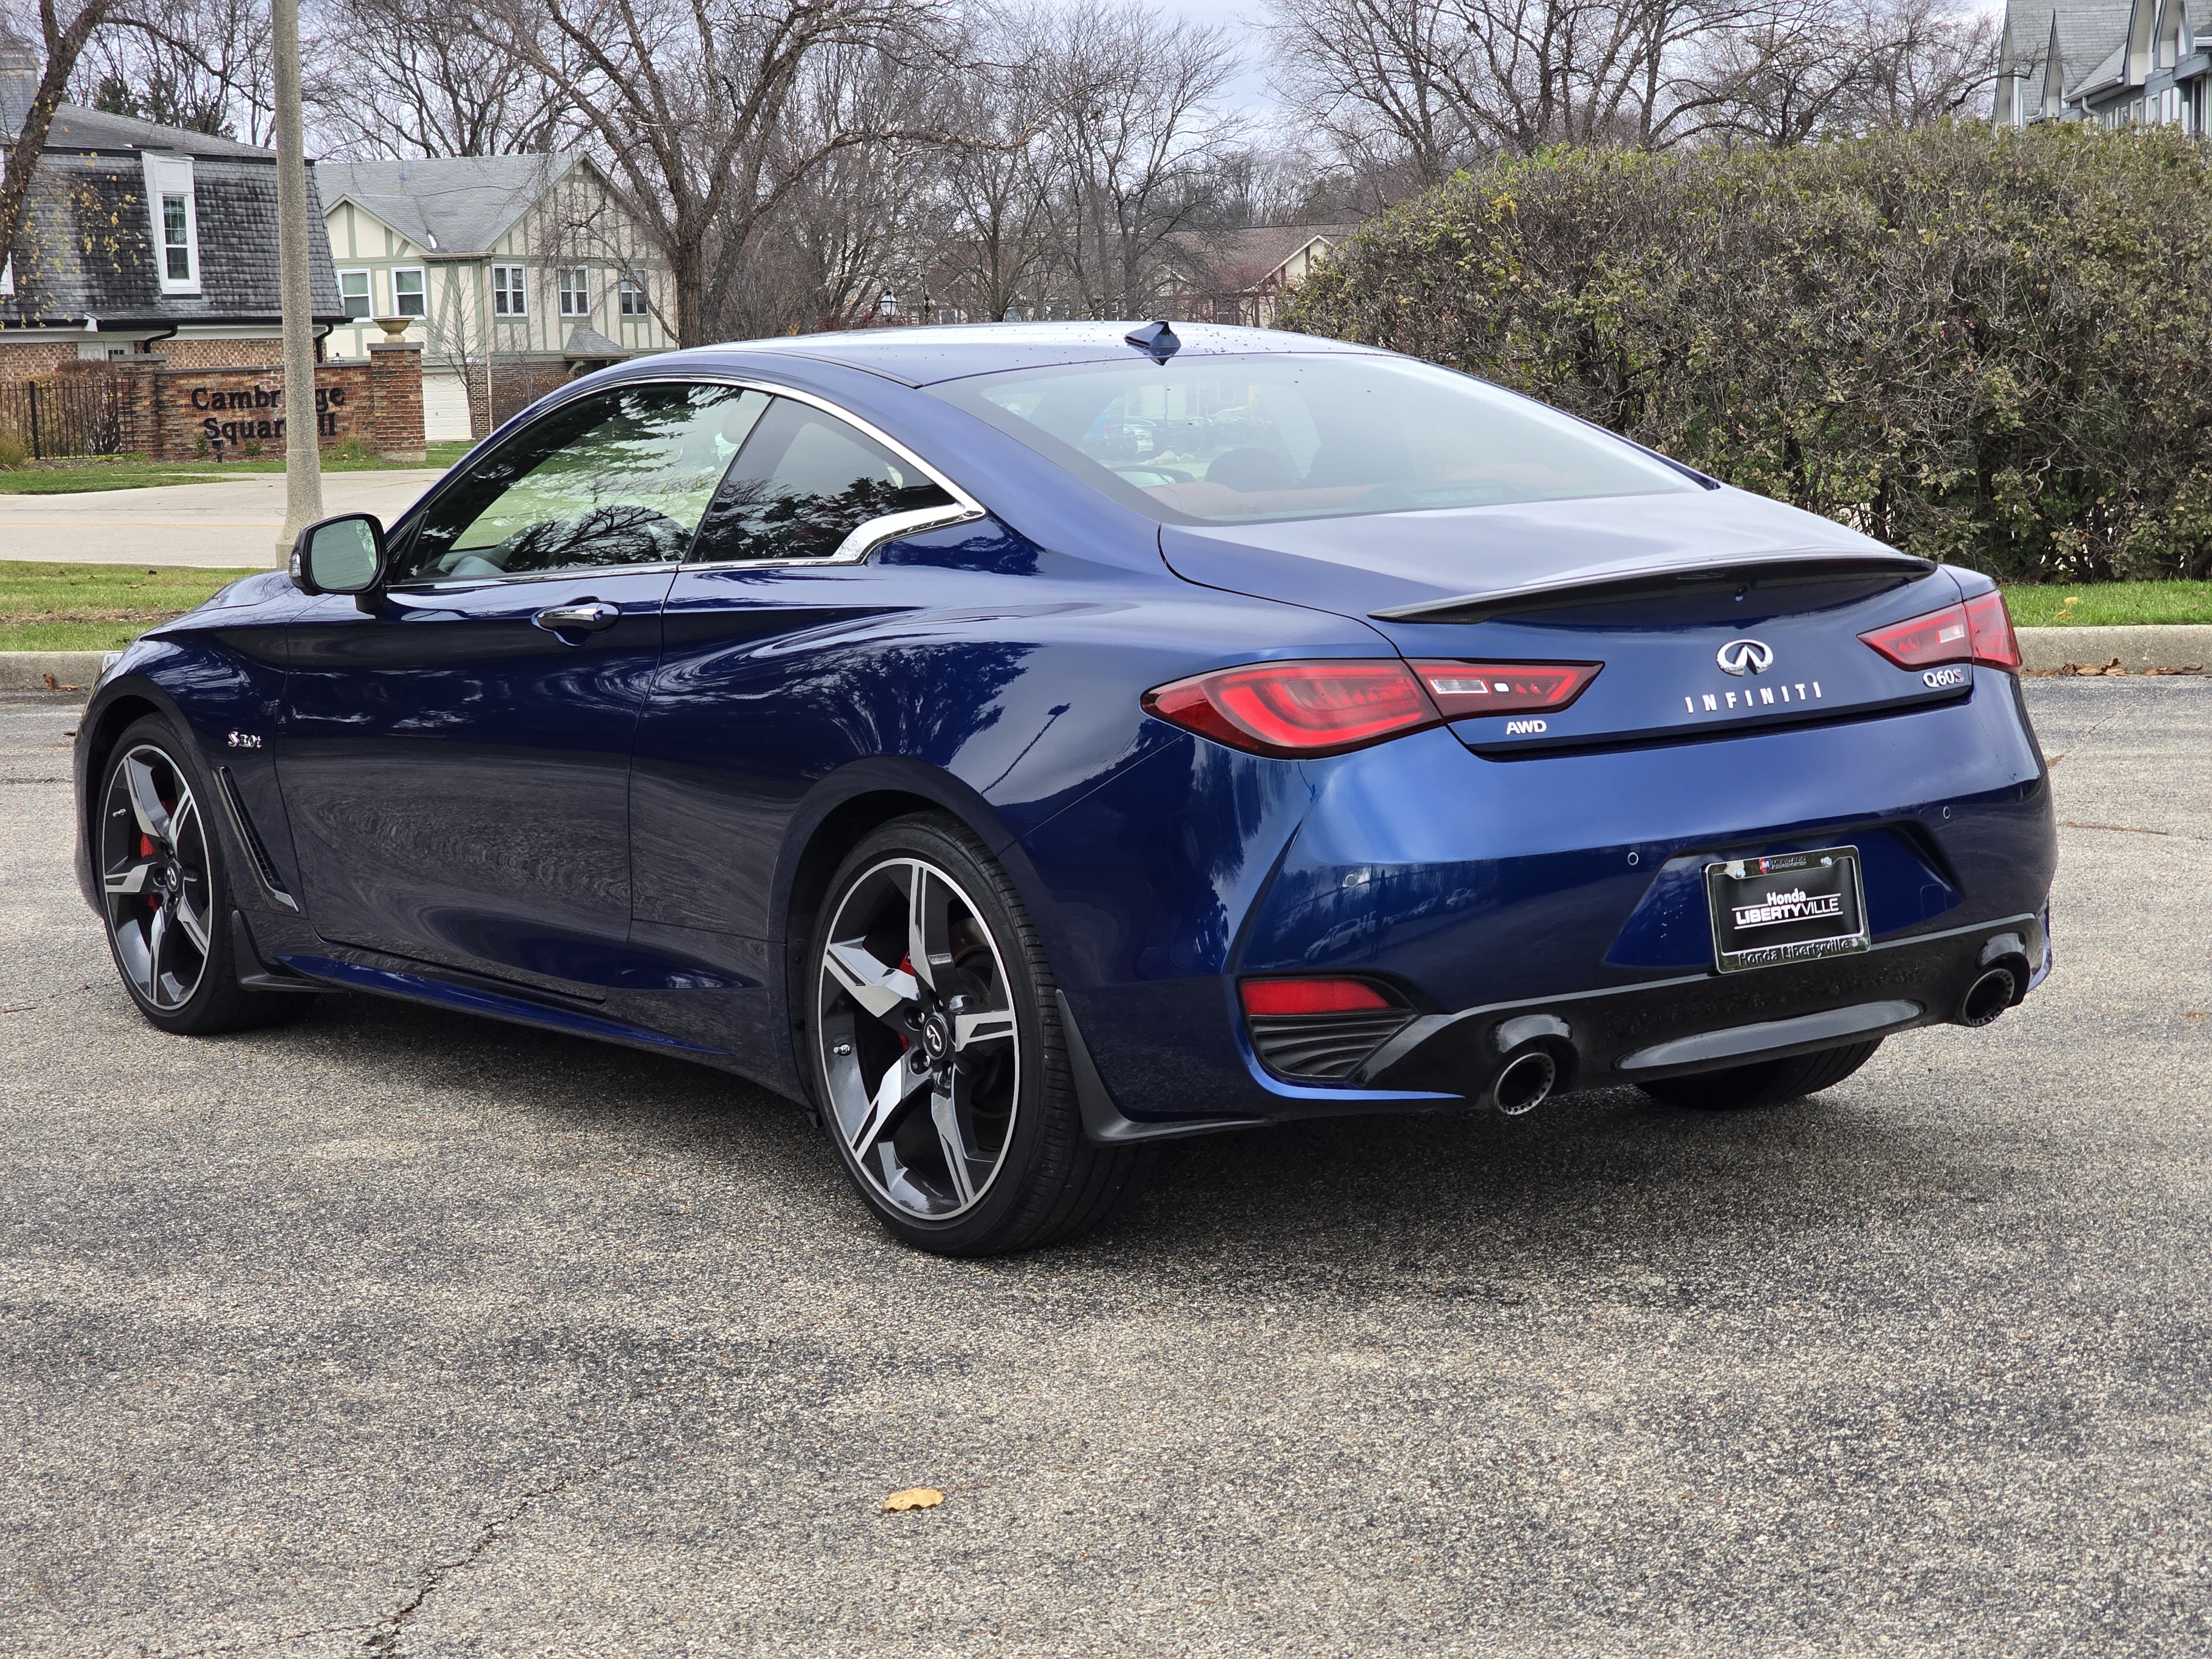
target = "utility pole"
x: 303, y: 457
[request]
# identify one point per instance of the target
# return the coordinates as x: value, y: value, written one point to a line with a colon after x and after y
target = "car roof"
x: 923, y: 356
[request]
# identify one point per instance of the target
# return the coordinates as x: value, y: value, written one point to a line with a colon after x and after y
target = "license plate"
x: 1792, y: 908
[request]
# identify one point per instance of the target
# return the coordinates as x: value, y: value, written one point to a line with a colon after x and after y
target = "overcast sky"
x: 1239, y: 17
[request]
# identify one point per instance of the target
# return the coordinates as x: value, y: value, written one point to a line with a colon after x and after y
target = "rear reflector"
x: 1313, y: 996
x: 1462, y: 689
x: 1978, y: 631
x: 1292, y: 708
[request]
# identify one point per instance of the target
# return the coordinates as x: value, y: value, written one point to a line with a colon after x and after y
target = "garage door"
x: 445, y: 409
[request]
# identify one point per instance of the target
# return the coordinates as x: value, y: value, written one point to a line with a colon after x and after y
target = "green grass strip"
x: 87, y: 474
x: 94, y: 607
x: 2109, y: 605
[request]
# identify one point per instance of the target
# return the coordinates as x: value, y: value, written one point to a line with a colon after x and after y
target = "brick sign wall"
x: 221, y: 414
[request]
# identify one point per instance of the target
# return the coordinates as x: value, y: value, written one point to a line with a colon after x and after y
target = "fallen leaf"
x: 915, y: 1498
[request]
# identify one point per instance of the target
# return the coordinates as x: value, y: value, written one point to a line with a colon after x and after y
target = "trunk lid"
x: 1667, y: 592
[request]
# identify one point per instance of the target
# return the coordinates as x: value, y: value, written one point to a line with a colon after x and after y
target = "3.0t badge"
x: 1744, y: 657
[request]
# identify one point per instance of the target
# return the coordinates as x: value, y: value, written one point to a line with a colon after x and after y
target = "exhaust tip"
x: 1987, y: 997
x: 1525, y: 1082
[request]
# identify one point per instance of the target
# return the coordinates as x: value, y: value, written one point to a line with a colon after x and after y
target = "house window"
x: 407, y: 293
x: 352, y: 294
x: 575, y: 291
x: 506, y: 299
x: 175, y: 217
x: 633, y: 297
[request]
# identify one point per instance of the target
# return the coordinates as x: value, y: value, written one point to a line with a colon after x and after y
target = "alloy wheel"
x: 154, y: 877
x: 917, y: 1027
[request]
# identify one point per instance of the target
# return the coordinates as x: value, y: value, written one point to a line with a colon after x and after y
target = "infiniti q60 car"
x: 1023, y: 744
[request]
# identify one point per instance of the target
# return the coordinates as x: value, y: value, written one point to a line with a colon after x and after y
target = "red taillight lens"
x: 1979, y: 631
x: 1312, y: 996
x: 1989, y: 626
x: 1297, y: 708
x: 1462, y: 689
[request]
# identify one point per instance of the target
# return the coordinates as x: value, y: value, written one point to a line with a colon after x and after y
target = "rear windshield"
x: 1239, y: 440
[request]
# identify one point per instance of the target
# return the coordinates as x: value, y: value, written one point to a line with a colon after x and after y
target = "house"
x: 1241, y: 275
x: 512, y: 272
x: 141, y: 240
x: 2112, y: 62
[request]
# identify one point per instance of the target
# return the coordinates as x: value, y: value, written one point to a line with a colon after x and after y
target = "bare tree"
x: 1798, y: 68
x: 63, y: 42
x: 996, y: 222
x: 1931, y: 60
x: 689, y: 100
x: 1375, y: 78
x: 184, y: 63
x: 1134, y: 134
x: 398, y: 78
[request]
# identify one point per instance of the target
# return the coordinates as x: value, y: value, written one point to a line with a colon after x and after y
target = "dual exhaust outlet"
x: 1534, y: 1045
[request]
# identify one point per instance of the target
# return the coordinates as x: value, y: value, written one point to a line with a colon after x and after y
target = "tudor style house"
x: 2114, y: 62
x: 140, y: 240
x: 511, y: 271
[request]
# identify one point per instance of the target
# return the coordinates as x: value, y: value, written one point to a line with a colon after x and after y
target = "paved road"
x: 397, y: 1333
x: 235, y: 522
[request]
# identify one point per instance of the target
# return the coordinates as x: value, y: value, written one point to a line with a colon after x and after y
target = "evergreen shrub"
x: 1993, y: 348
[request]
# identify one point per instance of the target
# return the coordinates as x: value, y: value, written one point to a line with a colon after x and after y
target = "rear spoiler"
x: 1613, y: 584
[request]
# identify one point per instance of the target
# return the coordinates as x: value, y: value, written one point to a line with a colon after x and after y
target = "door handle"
x: 584, y: 616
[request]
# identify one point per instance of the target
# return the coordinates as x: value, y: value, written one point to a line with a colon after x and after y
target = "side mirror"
x: 345, y: 554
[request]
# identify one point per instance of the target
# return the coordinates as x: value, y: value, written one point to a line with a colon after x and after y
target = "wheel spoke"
x: 897, y: 1085
x: 145, y: 801
x: 949, y: 1104
x: 928, y: 928
x: 995, y: 1025
x: 194, y: 926
x: 130, y: 880
x: 157, y: 948
x: 881, y: 990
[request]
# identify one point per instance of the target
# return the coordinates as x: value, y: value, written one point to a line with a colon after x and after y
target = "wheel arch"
x: 842, y: 809
x: 98, y: 736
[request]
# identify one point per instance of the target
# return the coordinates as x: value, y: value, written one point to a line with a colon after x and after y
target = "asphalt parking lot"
x: 395, y: 1333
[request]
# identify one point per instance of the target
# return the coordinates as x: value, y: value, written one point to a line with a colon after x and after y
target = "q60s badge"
x: 1936, y: 678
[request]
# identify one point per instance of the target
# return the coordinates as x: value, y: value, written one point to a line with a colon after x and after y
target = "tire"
x: 947, y: 1093
x: 159, y: 856
x: 1769, y: 1083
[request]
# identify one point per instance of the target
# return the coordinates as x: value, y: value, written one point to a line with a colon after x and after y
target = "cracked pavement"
x: 397, y: 1333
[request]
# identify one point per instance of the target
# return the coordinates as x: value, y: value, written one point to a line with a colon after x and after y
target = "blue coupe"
x: 1024, y: 744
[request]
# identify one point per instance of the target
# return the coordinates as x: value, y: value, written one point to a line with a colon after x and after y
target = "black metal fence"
x: 66, y: 414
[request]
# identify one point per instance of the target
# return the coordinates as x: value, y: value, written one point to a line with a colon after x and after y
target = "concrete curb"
x: 2181, y: 645
x: 27, y: 671
x: 2164, y: 645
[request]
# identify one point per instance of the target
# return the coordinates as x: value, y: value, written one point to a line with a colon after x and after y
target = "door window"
x: 620, y: 478
x: 804, y: 482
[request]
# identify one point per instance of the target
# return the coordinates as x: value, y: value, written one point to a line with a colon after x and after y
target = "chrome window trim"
x: 566, y: 571
x: 861, y: 541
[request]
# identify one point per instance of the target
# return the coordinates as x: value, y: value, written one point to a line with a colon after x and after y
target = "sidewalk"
x: 212, y: 526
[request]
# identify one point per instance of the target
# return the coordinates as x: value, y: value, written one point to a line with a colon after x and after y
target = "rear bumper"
x: 1711, y: 1021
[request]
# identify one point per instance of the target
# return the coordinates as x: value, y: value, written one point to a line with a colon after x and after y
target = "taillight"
x: 1278, y: 997
x: 1297, y: 708
x: 1990, y: 622
x: 1462, y: 689
x: 1978, y: 631
x: 1326, y: 708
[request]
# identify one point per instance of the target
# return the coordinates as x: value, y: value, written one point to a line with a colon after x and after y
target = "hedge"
x: 1993, y: 348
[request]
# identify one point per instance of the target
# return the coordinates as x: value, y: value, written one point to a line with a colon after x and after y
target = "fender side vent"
x: 1326, y: 1048
x: 271, y: 883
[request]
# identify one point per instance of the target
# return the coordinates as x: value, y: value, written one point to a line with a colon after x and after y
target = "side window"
x: 619, y: 478
x: 802, y: 484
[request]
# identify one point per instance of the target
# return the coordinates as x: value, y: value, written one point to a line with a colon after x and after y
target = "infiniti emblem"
x: 1744, y: 657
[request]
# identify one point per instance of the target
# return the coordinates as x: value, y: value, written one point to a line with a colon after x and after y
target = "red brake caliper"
x: 146, y: 851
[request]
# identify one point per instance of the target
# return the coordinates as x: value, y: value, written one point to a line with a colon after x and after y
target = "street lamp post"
x: 303, y: 461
